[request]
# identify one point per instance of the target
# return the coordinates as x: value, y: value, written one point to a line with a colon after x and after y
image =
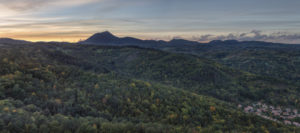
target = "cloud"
x: 22, y: 5
x: 25, y: 5
x: 254, y: 35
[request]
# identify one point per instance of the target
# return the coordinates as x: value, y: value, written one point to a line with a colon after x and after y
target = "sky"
x: 198, y: 20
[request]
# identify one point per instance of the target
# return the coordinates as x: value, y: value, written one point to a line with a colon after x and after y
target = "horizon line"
x: 166, y: 40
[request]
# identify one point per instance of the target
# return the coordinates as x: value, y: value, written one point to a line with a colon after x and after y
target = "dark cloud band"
x: 254, y: 35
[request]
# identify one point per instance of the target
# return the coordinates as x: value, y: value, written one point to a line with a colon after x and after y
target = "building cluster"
x: 277, y: 114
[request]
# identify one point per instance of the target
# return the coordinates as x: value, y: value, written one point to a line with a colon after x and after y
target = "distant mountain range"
x: 262, y: 58
x: 13, y: 41
x: 105, y: 38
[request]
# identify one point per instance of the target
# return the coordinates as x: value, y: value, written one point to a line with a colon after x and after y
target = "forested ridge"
x: 262, y: 58
x: 80, y: 88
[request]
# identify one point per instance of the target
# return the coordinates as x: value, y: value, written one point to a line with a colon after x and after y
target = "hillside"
x: 193, y: 74
x: 12, y: 41
x: 79, y: 88
x: 274, y: 60
x: 281, y: 61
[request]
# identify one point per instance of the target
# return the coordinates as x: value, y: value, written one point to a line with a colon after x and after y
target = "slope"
x: 48, y: 88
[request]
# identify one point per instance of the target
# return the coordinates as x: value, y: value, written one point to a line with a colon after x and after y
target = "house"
x: 258, y: 110
x: 249, y: 109
x: 276, y: 112
x: 240, y: 106
x: 286, y: 114
x: 296, y: 124
x: 287, y: 122
x: 291, y: 117
x: 295, y: 111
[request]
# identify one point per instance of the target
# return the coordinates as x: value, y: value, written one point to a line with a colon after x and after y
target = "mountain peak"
x: 107, y: 33
x: 104, y: 37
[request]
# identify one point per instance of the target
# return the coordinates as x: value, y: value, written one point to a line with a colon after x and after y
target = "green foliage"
x: 66, y: 88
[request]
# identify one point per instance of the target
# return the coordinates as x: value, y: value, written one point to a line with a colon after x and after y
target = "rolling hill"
x: 87, y: 88
x: 262, y: 58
